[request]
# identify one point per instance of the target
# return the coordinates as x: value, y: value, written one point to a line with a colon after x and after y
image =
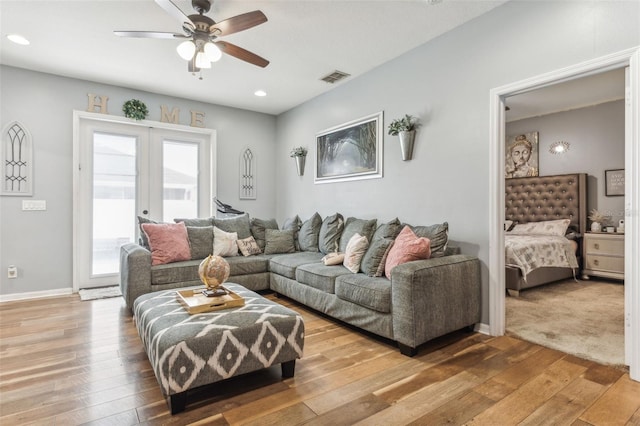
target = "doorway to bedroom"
x: 499, y: 99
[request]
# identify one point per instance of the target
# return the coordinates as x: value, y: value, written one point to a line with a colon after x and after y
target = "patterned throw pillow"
x: 248, y: 246
x: 225, y: 244
x: 168, y: 242
x: 356, y: 248
x: 333, y: 259
x: 279, y: 241
x: 407, y: 247
x: 547, y: 227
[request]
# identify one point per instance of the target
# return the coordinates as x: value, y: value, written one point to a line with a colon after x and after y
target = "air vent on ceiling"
x: 335, y: 76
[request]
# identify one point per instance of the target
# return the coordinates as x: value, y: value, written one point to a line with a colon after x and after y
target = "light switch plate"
x: 33, y: 205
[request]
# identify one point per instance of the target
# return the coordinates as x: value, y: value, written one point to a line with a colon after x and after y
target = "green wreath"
x: 135, y: 109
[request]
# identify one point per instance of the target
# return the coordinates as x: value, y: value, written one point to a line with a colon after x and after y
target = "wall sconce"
x: 559, y: 147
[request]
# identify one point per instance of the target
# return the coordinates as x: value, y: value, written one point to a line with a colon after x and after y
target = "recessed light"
x: 18, y: 39
x: 260, y: 93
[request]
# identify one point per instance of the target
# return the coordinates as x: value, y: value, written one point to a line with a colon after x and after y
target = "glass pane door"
x: 179, y: 180
x: 114, y: 199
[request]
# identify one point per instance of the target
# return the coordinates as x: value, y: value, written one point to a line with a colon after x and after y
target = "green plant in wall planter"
x: 300, y: 155
x: 135, y: 109
x: 405, y: 129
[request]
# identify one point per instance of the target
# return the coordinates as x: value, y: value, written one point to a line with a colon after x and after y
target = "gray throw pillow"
x: 354, y: 226
x: 308, y: 234
x: 293, y: 224
x: 279, y: 241
x: 390, y: 229
x: 330, y: 232
x: 200, y: 241
x: 258, y: 226
x: 144, y: 241
x: 438, y: 234
x: 195, y: 221
x: 373, y: 261
x: 238, y: 224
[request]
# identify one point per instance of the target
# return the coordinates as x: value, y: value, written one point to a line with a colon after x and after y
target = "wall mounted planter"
x: 300, y: 161
x: 406, y: 143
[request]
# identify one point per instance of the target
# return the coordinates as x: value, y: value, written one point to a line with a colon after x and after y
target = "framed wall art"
x: 614, y: 182
x: 350, y: 151
x: 522, y: 155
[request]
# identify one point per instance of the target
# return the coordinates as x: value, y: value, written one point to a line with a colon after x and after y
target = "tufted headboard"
x: 534, y: 199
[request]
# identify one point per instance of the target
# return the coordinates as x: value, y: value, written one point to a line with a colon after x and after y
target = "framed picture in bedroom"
x: 521, y: 155
x: 614, y: 182
x: 350, y: 151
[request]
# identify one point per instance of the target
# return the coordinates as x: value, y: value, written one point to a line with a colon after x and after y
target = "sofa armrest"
x: 135, y: 272
x: 434, y: 297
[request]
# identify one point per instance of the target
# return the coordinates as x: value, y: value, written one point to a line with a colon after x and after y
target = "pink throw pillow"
x: 169, y: 242
x: 407, y: 247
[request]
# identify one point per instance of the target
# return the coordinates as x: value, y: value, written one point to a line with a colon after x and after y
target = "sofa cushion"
x: 279, y: 241
x: 175, y: 272
x: 330, y: 232
x: 286, y: 264
x: 374, y: 259
x: 200, y: 241
x: 356, y: 226
x: 245, y: 265
x: 390, y: 229
x: 406, y: 248
x: 239, y: 224
x: 293, y: 224
x: 248, y: 246
x: 195, y: 221
x: 320, y: 276
x: 437, y: 234
x: 372, y: 293
x: 168, y: 242
x: 308, y: 234
x: 258, y: 227
x: 225, y: 244
x: 356, y: 249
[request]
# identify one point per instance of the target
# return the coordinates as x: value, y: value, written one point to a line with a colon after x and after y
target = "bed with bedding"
x: 547, y: 217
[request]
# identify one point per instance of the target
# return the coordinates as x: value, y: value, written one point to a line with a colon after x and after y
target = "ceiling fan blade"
x: 175, y: 11
x: 240, y: 53
x: 238, y: 23
x: 148, y: 34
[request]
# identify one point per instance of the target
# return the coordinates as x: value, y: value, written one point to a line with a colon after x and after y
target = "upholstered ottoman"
x: 192, y: 351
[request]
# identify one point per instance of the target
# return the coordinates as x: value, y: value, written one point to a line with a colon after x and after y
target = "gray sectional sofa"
x: 421, y: 299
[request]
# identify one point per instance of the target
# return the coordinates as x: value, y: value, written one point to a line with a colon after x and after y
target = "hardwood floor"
x: 67, y: 362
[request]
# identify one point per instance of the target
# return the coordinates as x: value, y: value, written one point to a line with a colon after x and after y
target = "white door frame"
x: 207, y: 192
x: 626, y: 58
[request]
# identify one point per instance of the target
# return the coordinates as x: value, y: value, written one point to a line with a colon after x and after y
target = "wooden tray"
x: 196, y: 303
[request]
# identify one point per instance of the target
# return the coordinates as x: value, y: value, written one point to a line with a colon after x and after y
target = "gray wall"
x: 447, y: 82
x: 596, y: 135
x: 40, y: 242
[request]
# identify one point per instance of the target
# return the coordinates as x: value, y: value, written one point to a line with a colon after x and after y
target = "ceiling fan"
x: 201, y: 46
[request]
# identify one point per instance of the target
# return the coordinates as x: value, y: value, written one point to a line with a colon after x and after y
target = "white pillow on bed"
x: 547, y: 227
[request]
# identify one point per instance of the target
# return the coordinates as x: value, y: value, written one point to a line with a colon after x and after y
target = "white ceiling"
x: 304, y: 40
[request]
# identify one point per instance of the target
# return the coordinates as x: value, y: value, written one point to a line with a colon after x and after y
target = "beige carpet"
x: 584, y: 318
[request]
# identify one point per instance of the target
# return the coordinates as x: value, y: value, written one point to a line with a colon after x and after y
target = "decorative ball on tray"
x: 214, y: 271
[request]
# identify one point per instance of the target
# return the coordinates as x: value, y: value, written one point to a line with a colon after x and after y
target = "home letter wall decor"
x: 197, y: 119
x: 98, y: 103
x: 167, y: 117
x: 17, y: 160
x: 247, y: 175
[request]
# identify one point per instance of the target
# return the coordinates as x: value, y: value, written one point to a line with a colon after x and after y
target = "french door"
x: 124, y: 170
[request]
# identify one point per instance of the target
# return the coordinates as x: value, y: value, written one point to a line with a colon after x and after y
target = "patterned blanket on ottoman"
x: 190, y: 351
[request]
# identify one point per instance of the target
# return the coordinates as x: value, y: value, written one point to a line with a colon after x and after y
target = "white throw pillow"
x: 225, y: 244
x: 356, y: 248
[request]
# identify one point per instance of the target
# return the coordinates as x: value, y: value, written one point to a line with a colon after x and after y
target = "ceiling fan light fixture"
x: 212, y: 52
x: 202, y: 61
x: 186, y: 49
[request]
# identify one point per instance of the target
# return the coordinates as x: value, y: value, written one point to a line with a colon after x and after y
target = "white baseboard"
x: 483, y: 328
x: 35, y: 294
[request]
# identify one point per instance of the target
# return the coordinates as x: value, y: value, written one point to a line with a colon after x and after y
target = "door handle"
x: 145, y: 211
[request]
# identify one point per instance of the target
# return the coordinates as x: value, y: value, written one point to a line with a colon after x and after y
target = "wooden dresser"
x: 603, y: 255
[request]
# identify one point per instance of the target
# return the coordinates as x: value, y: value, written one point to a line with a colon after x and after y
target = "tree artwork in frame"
x: 350, y: 151
x: 614, y: 182
x: 521, y: 155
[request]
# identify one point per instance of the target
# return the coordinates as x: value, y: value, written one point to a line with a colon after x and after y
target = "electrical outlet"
x: 12, y: 272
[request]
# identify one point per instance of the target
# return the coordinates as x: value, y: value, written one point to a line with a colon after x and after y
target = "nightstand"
x: 603, y: 255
